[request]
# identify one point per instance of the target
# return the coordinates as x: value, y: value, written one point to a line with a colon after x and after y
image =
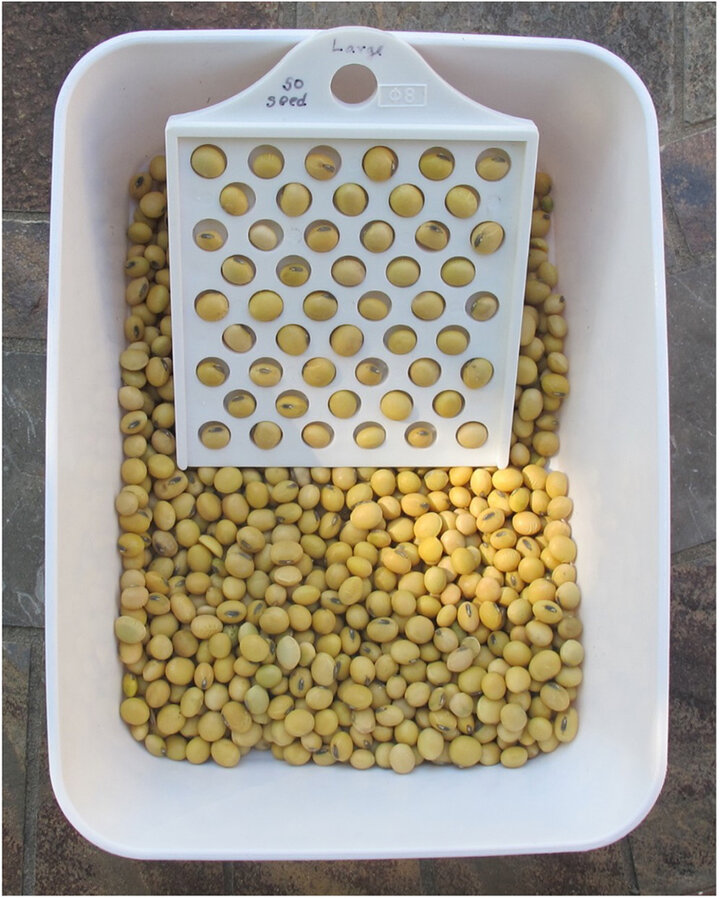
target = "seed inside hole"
x: 487, y: 238
x: 437, y: 163
x: 424, y: 372
x: 344, y: 403
x: 369, y: 435
x: 421, y: 434
x: 208, y: 161
x: 462, y: 201
x: 214, y: 434
x: 453, y: 340
x: 211, y: 305
x: 406, y: 200
x: 472, y: 434
x: 428, y: 305
x: 432, y: 236
x: 265, y: 372
x: 294, y: 199
x: 239, y: 403
x: 396, y: 405
x: 210, y: 234
x: 353, y: 84
x: 292, y: 404
x: 265, y: 234
x: 293, y: 339
x: 322, y: 236
x: 293, y: 271
x: 266, y: 161
x: 400, y: 339
x: 322, y: 163
x: 350, y: 199
x: 320, y: 306
x: 448, y: 403
x: 403, y: 271
x: 348, y: 271
x: 493, y: 164
x: 377, y: 236
x: 482, y: 306
x: 317, y: 434
x: 265, y: 305
x: 238, y: 270
x: 380, y: 163
x: 237, y: 198
x: 457, y: 271
x: 374, y: 306
x: 318, y: 372
x: 346, y: 340
x: 371, y: 372
x: 212, y: 372
x: 266, y: 434
x: 476, y: 373
x: 239, y: 338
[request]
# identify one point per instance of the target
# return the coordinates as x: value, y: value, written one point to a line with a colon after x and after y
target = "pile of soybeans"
x: 370, y: 616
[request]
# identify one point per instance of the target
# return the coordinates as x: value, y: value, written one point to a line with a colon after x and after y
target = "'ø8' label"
x: 402, y: 94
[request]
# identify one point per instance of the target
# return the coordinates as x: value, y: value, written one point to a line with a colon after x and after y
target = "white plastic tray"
x: 598, y: 138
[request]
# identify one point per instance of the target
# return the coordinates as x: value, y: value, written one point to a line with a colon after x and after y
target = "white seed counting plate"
x: 294, y: 110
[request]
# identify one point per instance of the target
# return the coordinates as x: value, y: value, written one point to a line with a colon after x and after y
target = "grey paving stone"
x: 23, y: 488
x: 324, y: 878
x: 674, y: 848
x: 25, y: 278
x: 67, y: 864
x: 691, y: 329
x: 688, y: 173
x: 699, y: 62
x: 15, y: 674
x: 604, y: 871
x: 55, y: 36
x: 640, y: 33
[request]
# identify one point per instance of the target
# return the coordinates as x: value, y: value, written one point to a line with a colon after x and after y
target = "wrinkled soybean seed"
x: 208, y: 161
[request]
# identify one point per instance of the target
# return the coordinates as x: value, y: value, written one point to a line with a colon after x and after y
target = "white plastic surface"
x: 614, y: 445
x: 294, y: 110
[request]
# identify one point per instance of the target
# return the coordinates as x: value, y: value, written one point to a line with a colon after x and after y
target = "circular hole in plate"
x: 421, y: 435
x: 424, y: 372
x: 321, y: 236
x: 214, y: 434
x: 210, y: 234
x: 482, y: 306
x: 374, y: 306
x: 211, y: 305
x: 353, y: 83
x: 265, y: 372
x: 492, y: 164
x: 320, y: 305
x: 322, y: 163
x: 208, y: 161
x: 371, y: 372
x: 212, y: 372
x: 344, y: 403
x: 237, y: 198
x: 265, y: 234
x: 266, y: 161
x: 239, y: 338
x: 239, y: 403
x: 292, y: 404
x: 317, y: 434
x: 471, y: 435
x: 266, y: 434
x: 462, y: 201
x: 369, y: 435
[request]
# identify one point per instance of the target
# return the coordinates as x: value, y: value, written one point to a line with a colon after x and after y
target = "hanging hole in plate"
x: 353, y: 84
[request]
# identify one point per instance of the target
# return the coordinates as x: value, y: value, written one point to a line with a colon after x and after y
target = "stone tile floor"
x: 672, y: 47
